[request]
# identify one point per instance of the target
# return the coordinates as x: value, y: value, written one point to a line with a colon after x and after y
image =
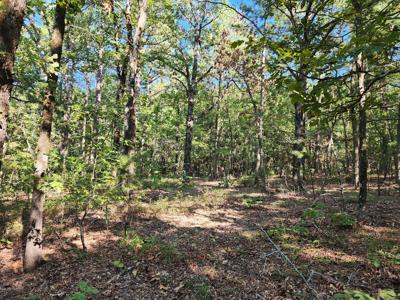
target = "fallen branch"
x: 283, y: 255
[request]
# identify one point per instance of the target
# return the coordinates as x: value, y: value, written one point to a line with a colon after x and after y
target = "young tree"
x: 34, y: 241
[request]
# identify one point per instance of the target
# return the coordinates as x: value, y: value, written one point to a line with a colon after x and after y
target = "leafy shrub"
x: 200, y: 287
x: 343, y: 220
x: 140, y: 244
x: 249, y: 202
x: 353, y: 294
x: 84, y: 290
x: 118, y: 264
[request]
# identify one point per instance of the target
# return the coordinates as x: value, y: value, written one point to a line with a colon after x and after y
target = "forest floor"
x: 206, y: 241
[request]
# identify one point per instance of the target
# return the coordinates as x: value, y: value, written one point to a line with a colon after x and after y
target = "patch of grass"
x: 200, y: 287
x: 249, y: 201
x: 139, y: 244
x: 343, y: 220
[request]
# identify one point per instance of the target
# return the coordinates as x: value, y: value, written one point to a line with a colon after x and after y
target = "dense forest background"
x: 108, y: 108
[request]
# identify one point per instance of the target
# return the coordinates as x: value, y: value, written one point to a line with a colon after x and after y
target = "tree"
x: 34, y: 241
x: 11, y: 19
x: 135, y: 44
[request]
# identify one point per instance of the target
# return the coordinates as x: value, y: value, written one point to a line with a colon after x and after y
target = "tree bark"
x: 300, y: 133
x: 98, y: 100
x: 64, y: 147
x: 11, y: 20
x: 398, y: 146
x: 34, y: 244
x: 346, y: 146
x: 356, y: 156
x: 363, y: 164
x: 135, y: 45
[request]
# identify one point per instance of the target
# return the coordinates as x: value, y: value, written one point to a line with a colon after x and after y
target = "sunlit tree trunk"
x: 68, y: 89
x: 362, y: 110
x: 135, y: 45
x: 34, y: 243
x: 97, y: 104
x: 11, y: 18
x: 217, y: 129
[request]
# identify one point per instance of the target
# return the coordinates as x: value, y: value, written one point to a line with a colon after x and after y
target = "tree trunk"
x: 217, y: 129
x: 363, y: 164
x: 398, y: 146
x: 299, y: 134
x: 64, y: 147
x: 346, y: 146
x: 11, y: 20
x: 98, y: 99
x: 187, y: 158
x: 34, y: 243
x: 135, y: 45
x: 356, y: 155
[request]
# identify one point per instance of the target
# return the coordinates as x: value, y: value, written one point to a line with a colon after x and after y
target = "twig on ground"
x: 351, y: 276
x: 278, y: 249
x: 115, y: 277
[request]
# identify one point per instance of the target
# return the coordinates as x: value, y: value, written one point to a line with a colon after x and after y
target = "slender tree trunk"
x: 398, y: 146
x: 11, y: 18
x: 187, y: 158
x: 217, y: 129
x: 64, y: 147
x: 317, y: 159
x: 356, y: 155
x: 346, y: 146
x: 98, y: 100
x: 260, y: 168
x: 300, y: 135
x: 84, y: 123
x: 363, y: 164
x: 135, y: 45
x: 34, y: 243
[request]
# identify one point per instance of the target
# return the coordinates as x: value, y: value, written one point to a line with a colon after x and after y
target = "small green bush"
x: 343, y: 220
x: 84, y: 290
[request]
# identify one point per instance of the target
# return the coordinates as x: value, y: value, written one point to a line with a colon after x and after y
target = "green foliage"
x: 200, y: 287
x: 84, y: 290
x: 343, y: 220
x: 118, y: 264
x: 139, y: 244
x: 353, y: 294
x: 249, y: 201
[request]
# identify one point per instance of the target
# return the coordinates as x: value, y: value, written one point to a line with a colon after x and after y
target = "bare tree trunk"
x: 356, y: 155
x: 363, y: 164
x: 346, y: 146
x: 317, y: 159
x: 84, y: 123
x: 98, y: 99
x: 187, y: 158
x: 64, y: 147
x: 34, y: 243
x: 135, y: 45
x: 300, y: 135
x: 11, y: 18
x: 217, y: 129
x: 398, y: 146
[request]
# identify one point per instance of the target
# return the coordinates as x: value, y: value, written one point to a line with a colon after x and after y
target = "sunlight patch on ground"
x: 330, y: 255
x: 205, y: 219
